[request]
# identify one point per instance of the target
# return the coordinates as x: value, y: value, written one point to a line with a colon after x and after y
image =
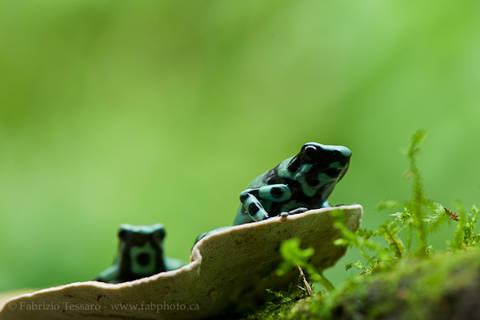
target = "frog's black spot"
x: 143, y: 259
x: 332, y: 172
x: 341, y: 158
x: 294, y: 164
x: 275, y: 209
x: 253, y: 208
x: 276, y: 192
x: 270, y: 176
x: 243, y: 197
x: 312, y: 182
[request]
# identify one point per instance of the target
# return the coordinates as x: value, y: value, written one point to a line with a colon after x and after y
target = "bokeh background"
x: 163, y: 111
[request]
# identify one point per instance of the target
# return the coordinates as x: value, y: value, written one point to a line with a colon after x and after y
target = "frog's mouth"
x: 344, y: 171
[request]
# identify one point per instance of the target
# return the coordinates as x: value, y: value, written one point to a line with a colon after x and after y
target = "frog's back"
x: 259, y: 181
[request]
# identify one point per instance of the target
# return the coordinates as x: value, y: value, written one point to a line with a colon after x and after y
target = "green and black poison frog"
x: 140, y: 254
x: 295, y: 185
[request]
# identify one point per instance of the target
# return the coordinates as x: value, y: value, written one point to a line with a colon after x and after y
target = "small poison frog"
x: 297, y: 184
x: 140, y: 254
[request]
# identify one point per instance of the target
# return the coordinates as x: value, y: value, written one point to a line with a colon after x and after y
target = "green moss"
x: 414, y: 289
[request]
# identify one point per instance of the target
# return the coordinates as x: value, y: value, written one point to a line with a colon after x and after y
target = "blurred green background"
x: 152, y: 111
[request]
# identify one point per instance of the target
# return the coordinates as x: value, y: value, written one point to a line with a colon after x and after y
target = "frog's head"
x: 141, y: 249
x: 319, y: 167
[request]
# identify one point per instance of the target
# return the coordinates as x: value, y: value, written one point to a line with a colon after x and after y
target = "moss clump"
x: 444, y: 286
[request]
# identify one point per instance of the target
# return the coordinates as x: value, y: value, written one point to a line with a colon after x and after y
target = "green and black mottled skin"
x: 140, y: 254
x: 297, y: 184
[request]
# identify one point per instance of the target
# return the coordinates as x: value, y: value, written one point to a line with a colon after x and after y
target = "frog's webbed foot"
x: 326, y: 204
x: 285, y: 214
x: 298, y: 210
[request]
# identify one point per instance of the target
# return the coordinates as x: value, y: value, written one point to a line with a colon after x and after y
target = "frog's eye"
x: 160, y: 234
x: 310, y: 151
x: 122, y: 233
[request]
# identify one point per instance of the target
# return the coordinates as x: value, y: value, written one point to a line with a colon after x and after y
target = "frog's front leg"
x: 110, y: 275
x: 250, y: 199
x: 324, y: 204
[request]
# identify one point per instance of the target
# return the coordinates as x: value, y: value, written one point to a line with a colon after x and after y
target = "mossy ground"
x: 441, y: 286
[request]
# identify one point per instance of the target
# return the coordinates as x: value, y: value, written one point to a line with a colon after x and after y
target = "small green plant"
x: 296, y: 257
x: 419, y: 216
x: 465, y: 235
